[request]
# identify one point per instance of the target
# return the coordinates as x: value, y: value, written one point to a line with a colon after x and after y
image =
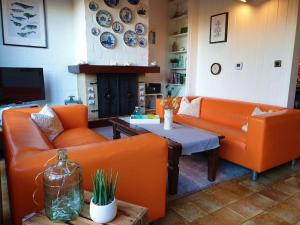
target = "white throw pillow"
x: 190, y: 108
x: 48, y: 122
x: 257, y: 111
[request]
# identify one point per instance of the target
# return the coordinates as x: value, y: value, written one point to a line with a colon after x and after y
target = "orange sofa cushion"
x: 76, y: 137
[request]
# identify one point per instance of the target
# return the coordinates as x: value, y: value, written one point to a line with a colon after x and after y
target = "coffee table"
x: 128, y: 214
x: 174, y: 152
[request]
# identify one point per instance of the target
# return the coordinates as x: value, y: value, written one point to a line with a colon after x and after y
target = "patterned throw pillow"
x: 190, y: 108
x: 48, y: 122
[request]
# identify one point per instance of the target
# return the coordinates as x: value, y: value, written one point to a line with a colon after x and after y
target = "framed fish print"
x: 218, y: 28
x: 24, y: 23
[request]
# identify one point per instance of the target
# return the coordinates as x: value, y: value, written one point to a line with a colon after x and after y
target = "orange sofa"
x: 141, y: 161
x: 271, y: 139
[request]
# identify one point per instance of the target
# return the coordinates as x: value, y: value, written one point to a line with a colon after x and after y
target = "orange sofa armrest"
x: 141, y: 162
x: 160, y: 108
x: 72, y: 116
x: 273, y: 139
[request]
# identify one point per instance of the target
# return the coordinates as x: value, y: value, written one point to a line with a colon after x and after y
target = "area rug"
x: 193, y: 170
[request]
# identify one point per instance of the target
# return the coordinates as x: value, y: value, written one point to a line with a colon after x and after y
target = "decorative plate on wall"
x: 104, y: 18
x: 142, y: 10
x: 134, y: 2
x: 142, y: 42
x: 93, y: 6
x: 95, y: 31
x: 108, y: 40
x: 140, y: 29
x: 111, y: 3
x: 118, y: 27
x: 126, y: 15
x: 130, y: 38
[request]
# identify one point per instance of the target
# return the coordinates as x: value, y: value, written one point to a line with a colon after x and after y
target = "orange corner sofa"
x: 141, y: 161
x: 271, y: 140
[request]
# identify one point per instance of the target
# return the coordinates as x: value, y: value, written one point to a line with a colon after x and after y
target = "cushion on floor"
x: 76, y: 137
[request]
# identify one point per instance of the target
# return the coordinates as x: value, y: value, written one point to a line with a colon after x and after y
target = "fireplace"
x: 117, y: 94
x: 109, y: 91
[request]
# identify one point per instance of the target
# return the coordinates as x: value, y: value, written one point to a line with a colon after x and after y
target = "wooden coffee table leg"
x: 213, y: 159
x: 174, y: 152
x: 117, y: 134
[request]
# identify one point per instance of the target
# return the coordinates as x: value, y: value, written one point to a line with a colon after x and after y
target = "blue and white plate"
x: 108, y: 40
x: 111, y: 3
x: 130, y: 38
x: 134, y: 2
x: 140, y: 29
x: 118, y: 27
x: 95, y: 31
x: 93, y: 6
x: 142, y: 42
x: 126, y: 15
x: 142, y: 10
x: 104, y: 18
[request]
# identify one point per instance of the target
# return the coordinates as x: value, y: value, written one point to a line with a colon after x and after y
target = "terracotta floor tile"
x: 225, y: 197
x: 228, y: 216
x: 286, y: 212
x: 249, y: 222
x: 189, y: 211
x: 208, y: 220
x: 295, y: 181
x: 261, y: 201
x: 252, y: 185
x: 268, y: 219
x: 294, y: 201
x: 245, y: 208
x: 237, y: 189
x: 172, y: 218
x: 286, y: 188
x: 207, y: 202
x: 274, y: 194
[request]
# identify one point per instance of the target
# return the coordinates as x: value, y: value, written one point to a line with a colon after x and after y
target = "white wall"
x: 121, y: 54
x: 158, y: 22
x: 55, y: 59
x: 257, y: 35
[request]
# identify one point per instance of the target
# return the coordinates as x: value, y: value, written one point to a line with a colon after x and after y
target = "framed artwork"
x: 218, y: 28
x: 24, y: 23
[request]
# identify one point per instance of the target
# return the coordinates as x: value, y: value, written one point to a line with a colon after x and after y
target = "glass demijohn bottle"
x: 63, y: 189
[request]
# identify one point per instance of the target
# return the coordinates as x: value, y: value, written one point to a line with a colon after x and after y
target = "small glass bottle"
x: 63, y: 189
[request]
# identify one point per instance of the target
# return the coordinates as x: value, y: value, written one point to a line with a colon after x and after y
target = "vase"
x: 63, y: 192
x: 103, y: 213
x: 168, y: 119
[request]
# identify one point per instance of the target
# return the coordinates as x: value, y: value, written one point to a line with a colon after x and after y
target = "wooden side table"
x: 128, y: 214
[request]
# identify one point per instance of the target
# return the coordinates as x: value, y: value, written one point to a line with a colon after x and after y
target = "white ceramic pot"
x: 103, y: 213
x: 168, y: 119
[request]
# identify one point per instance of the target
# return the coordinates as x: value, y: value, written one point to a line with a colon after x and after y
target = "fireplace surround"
x: 109, y: 91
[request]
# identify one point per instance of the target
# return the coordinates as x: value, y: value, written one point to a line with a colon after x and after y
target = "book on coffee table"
x: 144, y: 119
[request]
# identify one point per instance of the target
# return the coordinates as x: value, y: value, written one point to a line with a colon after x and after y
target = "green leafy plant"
x: 174, y: 60
x: 104, y: 187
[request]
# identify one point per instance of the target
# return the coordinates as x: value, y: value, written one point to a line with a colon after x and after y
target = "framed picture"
x: 218, y: 28
x: 24, y: 23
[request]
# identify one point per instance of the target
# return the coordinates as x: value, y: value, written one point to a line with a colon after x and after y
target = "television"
x: 19, y: 85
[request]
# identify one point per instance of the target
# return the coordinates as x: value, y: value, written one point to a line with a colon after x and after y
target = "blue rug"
x: 193, y: 170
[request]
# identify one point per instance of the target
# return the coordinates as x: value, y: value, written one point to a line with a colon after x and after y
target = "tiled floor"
x: 273, y: 199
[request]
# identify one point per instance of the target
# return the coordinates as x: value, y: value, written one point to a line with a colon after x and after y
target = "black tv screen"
x: 18, y: 85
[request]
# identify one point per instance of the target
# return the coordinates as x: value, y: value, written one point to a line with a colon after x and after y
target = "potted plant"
x: 169, y: 106
x: 174, y: 62
x: 103, y: 206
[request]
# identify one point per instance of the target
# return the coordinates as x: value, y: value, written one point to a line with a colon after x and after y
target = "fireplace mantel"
x: 98, y: 69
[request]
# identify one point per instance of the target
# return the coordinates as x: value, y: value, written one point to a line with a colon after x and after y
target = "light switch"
x: 239, y: 66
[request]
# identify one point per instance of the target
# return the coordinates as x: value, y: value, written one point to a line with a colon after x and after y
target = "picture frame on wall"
x: 218, y: 28
x: 24, y: 23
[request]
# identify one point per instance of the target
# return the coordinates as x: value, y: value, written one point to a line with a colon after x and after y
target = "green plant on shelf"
x: 105, y: 187
x: 174, y: 62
